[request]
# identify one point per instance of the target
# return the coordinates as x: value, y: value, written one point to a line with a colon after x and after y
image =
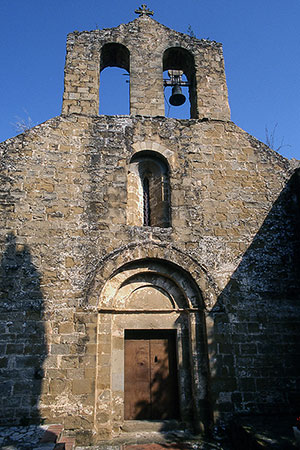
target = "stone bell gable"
x: 145, y: 48
x: 141, y: 247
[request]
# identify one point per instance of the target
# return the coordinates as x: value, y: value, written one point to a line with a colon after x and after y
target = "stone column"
x: 199, y: 372
x: 103, y: 400
x: 82, y: 72
x: 146, y: 73
x: 212, y: 95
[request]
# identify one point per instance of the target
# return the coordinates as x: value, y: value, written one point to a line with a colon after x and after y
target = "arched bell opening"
x: 179, y: 78
x: 151, y: 321
x: 148, y: 190
x: 114, y: 80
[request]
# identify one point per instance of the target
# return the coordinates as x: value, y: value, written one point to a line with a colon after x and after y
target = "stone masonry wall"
x: 146, y: 41
x: 234, y: 211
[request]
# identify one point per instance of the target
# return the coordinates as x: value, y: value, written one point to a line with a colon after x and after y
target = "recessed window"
x: 148, y: 197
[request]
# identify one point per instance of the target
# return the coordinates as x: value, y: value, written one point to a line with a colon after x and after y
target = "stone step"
x: 65, y: 443
x: 52, y: 434
x: 131, y: 426
x: 53, y: 439
x: 160, y: 444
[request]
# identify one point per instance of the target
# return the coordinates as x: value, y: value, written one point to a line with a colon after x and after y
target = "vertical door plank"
x: 137, y: 380
x: 159, y: 367
x: 164, y: 395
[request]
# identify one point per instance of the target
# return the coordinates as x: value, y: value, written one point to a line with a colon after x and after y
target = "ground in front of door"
x: 172, y: 440
x: 31, y: 438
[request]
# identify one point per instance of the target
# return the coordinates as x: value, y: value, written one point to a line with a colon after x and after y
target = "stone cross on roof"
x: 144, y: 11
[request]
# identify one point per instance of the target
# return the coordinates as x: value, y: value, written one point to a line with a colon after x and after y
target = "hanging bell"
x: 177, y: 98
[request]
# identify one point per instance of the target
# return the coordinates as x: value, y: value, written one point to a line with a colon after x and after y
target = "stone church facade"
x: 190, y: 313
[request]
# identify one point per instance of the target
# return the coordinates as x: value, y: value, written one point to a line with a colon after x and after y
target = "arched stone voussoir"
x: 169, y: 155
x: 192, y: 271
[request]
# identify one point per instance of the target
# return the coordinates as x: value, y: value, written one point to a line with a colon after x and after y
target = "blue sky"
x: 261, y: 44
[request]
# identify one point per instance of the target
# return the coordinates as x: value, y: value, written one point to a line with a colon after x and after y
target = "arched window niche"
x: 148, y: 190
x: 114, y: 80
x: 178, y: 58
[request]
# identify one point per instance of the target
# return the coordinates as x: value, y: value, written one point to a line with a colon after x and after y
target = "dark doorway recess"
x: 151, y: 387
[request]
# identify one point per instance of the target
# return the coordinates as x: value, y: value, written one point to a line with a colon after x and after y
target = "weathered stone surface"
x: 74, y: 248
x: 151, y: 48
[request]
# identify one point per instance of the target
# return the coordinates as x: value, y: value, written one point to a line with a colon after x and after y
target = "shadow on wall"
x: 22, y: 343
x: 255, y: 349
x: 254, y: 344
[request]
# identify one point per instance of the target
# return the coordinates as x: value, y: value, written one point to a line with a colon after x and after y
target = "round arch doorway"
x: 152, y: 341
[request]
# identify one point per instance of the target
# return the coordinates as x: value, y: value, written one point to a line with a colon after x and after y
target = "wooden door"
x: 151, y: 391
